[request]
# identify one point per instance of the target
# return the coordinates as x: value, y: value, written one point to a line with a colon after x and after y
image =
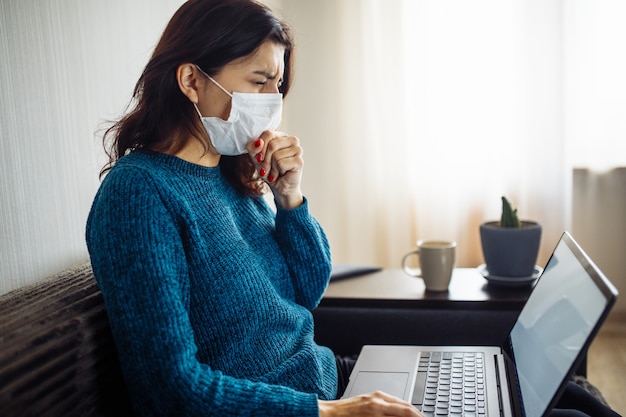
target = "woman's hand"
x: 278, y: 158
x: 374, y: 404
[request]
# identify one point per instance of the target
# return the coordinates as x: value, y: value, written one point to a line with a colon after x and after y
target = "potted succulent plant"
x: 510, y: 246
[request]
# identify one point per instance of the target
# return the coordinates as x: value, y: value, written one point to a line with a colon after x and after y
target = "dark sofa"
x: 57, y: 356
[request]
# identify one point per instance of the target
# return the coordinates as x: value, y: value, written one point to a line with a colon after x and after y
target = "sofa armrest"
x: 57, y: 356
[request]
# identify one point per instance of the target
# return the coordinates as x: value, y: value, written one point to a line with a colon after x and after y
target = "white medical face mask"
x: 251, y: 114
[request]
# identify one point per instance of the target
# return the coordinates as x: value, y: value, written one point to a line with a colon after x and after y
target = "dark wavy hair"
x: 210, y: 34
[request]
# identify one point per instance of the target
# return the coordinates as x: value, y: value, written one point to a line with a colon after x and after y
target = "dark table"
x: 390, y: 307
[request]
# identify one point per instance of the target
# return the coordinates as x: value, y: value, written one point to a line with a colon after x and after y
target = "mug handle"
x: 414, y: 272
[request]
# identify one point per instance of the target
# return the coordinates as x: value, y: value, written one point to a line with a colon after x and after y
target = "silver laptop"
x: 523, y: 377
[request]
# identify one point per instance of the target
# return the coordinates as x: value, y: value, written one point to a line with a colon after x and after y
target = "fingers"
x: 275, y: 154
x: 374, y: 404
x: 389, y: 405
x: 278, y: 160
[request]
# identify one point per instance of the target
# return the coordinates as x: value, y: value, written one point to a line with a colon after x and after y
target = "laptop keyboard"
x: 450, y: 384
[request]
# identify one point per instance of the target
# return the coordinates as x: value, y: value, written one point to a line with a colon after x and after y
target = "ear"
x: 188, y: 82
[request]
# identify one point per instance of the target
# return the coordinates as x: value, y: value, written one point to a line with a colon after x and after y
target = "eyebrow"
x: 266, y: 74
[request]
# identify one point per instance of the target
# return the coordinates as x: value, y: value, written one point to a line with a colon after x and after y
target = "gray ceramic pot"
x: 510, y: 252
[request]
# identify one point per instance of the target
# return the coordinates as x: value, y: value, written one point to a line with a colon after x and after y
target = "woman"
x: 207, y: 289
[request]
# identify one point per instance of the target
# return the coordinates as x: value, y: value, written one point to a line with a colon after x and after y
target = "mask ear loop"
x: 214, y: 82
x: 195, y: 106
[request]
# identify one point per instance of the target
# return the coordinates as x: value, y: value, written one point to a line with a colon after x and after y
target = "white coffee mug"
x: 436, y: 259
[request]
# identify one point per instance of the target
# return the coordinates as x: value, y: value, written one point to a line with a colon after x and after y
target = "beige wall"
x: 599, y: 225
x: 65, y: 68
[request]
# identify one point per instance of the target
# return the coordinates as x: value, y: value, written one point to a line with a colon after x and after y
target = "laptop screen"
x: 556, y: 324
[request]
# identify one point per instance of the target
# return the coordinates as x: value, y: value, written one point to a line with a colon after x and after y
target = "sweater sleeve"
x: 305, y: 246
x: 139, y: 262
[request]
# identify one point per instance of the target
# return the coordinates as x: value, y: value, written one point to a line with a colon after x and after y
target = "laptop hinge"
x: 514, y: 389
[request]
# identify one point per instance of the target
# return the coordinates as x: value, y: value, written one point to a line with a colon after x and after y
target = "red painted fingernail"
x: 270, y: 178
x: 262, y: 172
x: 259, y: 157
x: 257, y: 143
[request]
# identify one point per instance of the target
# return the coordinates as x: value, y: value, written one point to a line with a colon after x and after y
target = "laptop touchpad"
x: 393, y: 383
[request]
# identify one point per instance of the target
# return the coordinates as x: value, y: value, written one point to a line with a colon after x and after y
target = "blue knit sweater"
x: 209, y: 292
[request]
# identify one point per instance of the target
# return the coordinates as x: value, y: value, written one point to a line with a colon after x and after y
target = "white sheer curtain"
x: 595, y: 83
x: 417, y: 115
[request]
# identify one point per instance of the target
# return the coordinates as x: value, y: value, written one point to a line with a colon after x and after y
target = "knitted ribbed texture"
x: 209, y: 292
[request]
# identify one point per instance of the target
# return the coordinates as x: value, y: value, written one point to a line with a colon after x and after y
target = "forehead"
x: 268, y: 58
